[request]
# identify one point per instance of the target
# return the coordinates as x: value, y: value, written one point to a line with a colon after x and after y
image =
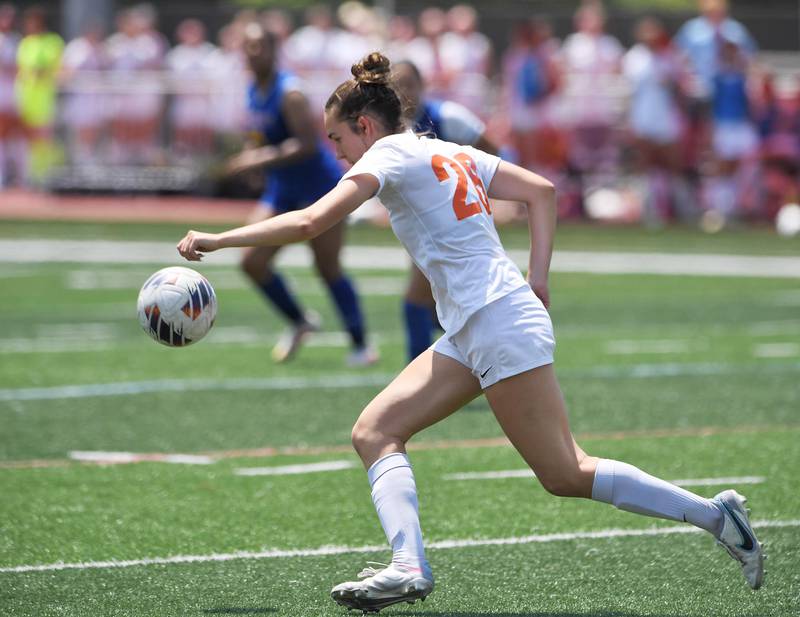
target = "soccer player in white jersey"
x: 498, y: 337
x: 448, y: 121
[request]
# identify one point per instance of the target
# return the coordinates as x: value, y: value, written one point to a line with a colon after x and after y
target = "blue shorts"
x: 279, y: 199
x: 296, y: 186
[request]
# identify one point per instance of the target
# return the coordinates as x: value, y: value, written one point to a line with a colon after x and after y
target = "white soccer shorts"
x: 507, y: 337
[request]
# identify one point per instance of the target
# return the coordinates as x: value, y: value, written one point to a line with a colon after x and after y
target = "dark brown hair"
x: 369, y: 92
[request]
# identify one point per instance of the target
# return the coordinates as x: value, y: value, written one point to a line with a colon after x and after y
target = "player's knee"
x: 562, y: 484
x: 246, y: 264
x: 369, y: 440
x: 365, y: 438
x: 254, y: 268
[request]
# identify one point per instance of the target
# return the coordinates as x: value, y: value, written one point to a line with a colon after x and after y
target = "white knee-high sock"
x: 629, y: 488
x: 394, y: 494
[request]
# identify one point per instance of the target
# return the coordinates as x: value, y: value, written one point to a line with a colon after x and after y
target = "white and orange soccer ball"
x: 177, y: 306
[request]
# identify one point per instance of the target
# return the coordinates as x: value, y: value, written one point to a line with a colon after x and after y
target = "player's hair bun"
x: 374, y: 69
x: 371, y: 91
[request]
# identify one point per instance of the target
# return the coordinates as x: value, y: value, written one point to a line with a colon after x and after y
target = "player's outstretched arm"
x: 514, y: 183
x: 295, y: 226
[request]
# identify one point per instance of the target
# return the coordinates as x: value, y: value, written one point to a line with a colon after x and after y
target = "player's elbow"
x: 546, y: 188
x: 309, y: 226
x: 544, y: 194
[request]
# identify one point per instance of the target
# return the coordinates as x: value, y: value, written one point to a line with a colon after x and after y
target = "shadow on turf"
x: 422, y: 613
x: 229, y: 610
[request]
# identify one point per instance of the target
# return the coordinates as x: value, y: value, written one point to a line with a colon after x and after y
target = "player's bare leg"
x: 429, y: 389
x: 532, y: 413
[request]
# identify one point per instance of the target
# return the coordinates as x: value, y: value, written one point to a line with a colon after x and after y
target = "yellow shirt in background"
x: 38, y: 61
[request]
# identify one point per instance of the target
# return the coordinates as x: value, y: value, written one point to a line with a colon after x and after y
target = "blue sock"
x: 419, y: 328
x: 274, y: 288
x: 346, y: 300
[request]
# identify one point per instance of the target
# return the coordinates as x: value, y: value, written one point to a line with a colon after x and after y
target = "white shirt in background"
x: 84, y: 108
x: 228, y: 71
x: 591, y: 64
x: 654, y: 112
x: 190, y: 67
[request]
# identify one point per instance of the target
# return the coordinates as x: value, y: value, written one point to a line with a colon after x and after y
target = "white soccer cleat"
x: 737, y: 537
x: 380, y: 588
x: 293, y: 338
x: 361, y: 358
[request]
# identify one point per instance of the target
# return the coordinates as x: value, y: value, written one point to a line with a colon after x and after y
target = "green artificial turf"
x: 685, y: 377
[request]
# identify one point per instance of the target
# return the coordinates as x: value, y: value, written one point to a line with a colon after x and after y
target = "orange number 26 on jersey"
x: 463, y: 167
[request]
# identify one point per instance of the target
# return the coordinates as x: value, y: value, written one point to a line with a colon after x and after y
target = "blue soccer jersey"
x: 448, y: 121
x: 294, y: 186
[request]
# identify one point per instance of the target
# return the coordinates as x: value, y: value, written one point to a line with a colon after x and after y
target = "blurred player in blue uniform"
x: 448, y: 121
x: 299, y: 170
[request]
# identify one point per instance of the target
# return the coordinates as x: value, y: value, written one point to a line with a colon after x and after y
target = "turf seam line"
x: 527, y: 474
x: 345, y: 380
x: 488, y: 442
x: 602, y: 534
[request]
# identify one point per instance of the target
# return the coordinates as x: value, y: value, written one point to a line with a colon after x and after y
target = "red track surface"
x: 30, y: 205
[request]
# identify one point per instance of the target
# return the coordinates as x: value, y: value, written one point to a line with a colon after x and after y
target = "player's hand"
x: 195, y: 243
x: 541, y: 289
x: 246, y: 160
x: 239, y: 163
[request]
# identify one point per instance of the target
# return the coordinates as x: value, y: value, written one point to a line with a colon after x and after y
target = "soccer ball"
x: 177, y: 306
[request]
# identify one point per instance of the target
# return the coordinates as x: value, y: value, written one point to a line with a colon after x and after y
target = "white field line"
x: 42, y: 345
x: 720, y: 481
x: 102, y: 340
x: 127, y: 388
x: 109, y: 278
x: 113, y: 458
x: 188, y: 459
x: 786, y: 298
x: 602, y: 534
x: 776, y: 350
x: 290, y: 470
x: 780, y: 327
x: 242, y: 336
x: 102, y: 457
x: 44, y: 250
x: 49, y: 338
x: 527, y: 473
x: 18, y: 272
x: 339, y: 381
x: 660, y: 346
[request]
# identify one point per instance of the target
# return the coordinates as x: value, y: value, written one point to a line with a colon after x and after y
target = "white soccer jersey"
x: 436, y: 195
